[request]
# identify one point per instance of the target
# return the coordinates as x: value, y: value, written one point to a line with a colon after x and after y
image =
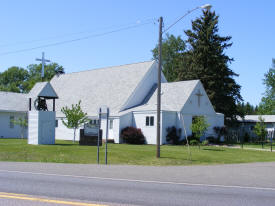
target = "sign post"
x: 98, y: 135
x: 107, y: 132
x: 104, y: 111
x: 271, y: 139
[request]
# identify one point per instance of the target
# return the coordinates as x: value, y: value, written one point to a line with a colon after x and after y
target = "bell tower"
x: 42, y: 117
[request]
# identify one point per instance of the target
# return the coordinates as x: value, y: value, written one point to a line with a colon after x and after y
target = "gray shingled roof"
x: 110, y: 86
x: 10, y: 101
x: 173, y: 96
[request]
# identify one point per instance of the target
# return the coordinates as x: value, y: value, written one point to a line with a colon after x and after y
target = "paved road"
x: 240, y: 184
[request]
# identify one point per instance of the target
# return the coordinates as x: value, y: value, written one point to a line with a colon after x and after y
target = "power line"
x: 188, y: 12
x: 74, y: 33
x: 74, y: 40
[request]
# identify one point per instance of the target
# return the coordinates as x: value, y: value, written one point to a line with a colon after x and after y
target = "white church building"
x: 131, y: 95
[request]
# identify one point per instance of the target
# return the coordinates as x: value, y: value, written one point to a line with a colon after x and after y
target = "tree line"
x: 18, y: 79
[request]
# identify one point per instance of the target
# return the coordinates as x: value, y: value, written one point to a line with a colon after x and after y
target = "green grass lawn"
x: 67, y: 152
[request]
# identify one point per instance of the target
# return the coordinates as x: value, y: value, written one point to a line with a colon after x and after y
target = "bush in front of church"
x: 173, y: 135
x: 132, y: 135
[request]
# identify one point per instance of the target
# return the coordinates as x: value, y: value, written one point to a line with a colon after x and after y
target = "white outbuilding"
x: 130, y: 93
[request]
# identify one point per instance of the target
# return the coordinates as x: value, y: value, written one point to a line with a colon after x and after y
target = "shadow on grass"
x: 166, y: 157
x: 64, y: 144
x: 214, y: 149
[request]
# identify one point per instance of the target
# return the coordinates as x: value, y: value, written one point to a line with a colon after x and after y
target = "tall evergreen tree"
x: 206, y: 60
x: 246, y: 109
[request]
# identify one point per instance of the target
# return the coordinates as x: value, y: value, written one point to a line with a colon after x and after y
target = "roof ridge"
x: 192, y: 80
x: 107, y: 67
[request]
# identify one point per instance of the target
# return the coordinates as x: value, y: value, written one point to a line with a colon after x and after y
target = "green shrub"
x: 173, y: 135
x: 212, y: 140
x: 190, y: 137
x: 131, y: 135
x: 194, y: 142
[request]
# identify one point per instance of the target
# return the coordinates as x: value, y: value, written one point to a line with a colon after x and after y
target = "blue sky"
x: 27, y: 24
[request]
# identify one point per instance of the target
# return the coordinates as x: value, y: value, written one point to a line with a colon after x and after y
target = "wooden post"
x: 54, y: 105
x: 159, y: 88
x: 30, y: 104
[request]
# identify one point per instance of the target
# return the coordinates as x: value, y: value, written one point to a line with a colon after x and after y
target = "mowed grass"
x: 69, y: 152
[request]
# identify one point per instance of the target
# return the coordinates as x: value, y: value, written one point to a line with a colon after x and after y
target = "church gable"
x: 198, y: 102
x: 144, y: 89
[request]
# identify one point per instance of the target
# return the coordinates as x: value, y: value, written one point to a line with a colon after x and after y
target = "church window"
x: 150, y: 121
x: 147, y: 121
x: 111, y: 124
x: 11, y: 122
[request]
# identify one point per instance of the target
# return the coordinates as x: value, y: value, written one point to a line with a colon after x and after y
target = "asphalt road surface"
x: 74, y: 184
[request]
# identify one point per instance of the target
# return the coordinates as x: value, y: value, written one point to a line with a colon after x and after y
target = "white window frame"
x: 151, y: 121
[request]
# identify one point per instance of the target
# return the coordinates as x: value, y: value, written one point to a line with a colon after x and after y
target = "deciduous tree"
x: 17, y: 79
x: 75, y: 117
x: 199, y: 126
x: 14, y: 79
x: 260, y: 130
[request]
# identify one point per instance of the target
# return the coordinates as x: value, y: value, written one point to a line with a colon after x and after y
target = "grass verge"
x: 69, y: 152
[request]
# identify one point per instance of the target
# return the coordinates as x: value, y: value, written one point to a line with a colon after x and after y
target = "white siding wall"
x: 41, y: 127
x: 63, y: 133
x: 139, y: 121
x: 213, y: 120
x: 192, y: 107
x: 103, y: 126
x: 5, y: 130
x: 114, y: 133
x: 33, y: 127
x: 184, y: 122
x: 169, y: 119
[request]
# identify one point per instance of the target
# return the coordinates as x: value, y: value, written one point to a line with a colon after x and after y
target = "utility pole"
x: 206, y: 6
x: 159, y: 87
x: 43, y: 60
